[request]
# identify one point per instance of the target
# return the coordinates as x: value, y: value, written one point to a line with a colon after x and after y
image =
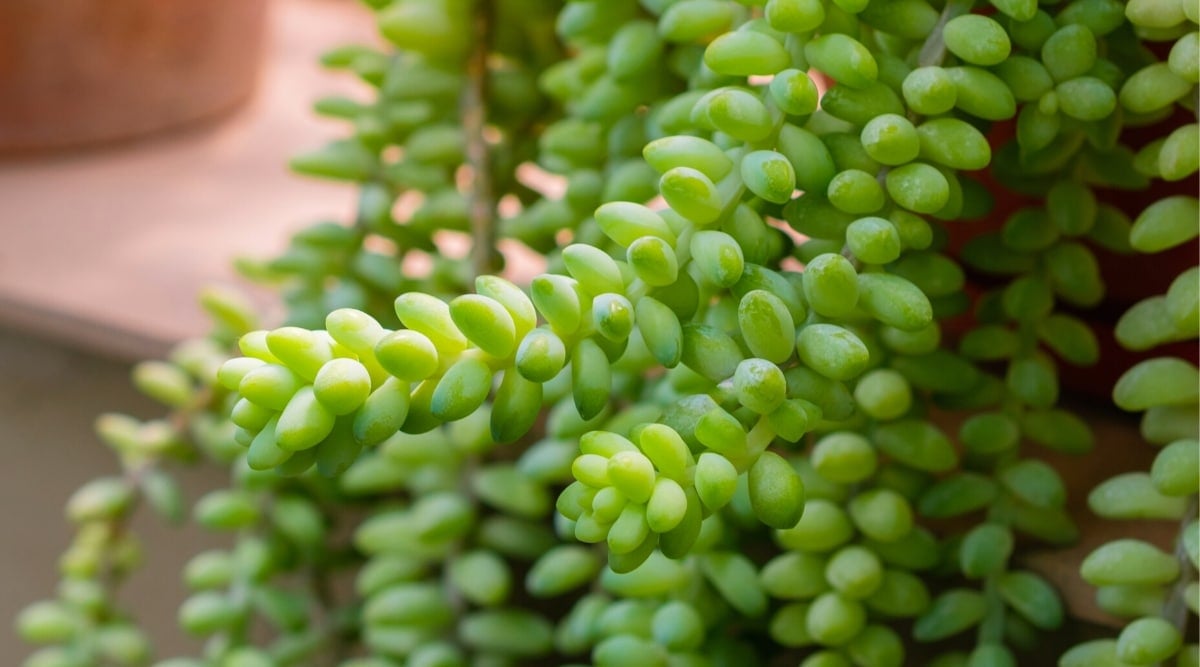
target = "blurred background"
x: 143, y: 146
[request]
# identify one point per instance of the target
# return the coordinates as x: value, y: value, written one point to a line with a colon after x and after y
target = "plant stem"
x: 321, y: 588
x: 473, y: 112
x: 933, y: 51
x: 991, y: 629
x: 1175, y: 609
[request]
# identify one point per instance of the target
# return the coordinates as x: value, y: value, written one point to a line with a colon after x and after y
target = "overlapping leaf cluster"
x: 732, y: 377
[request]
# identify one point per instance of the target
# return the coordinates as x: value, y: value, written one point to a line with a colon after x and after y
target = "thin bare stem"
x: 933, y: 51
x: 473, y: 111
x: 1175, y: 609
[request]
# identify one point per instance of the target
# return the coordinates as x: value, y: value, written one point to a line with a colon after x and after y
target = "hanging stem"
x: 1175, y: 610
x: 473, y: 111
x: 933, y: 51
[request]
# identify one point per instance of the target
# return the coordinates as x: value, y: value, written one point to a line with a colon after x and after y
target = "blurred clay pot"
x: 84, y: 71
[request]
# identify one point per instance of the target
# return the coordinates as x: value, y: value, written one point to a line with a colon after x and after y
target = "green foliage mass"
x: 709, y: 426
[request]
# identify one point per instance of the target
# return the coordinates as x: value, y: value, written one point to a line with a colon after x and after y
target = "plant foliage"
x: 713, y: 425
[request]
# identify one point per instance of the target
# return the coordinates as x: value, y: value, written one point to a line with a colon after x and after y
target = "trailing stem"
x: 933, y: 51
x: 1175, y: 609
x: 473, y: 111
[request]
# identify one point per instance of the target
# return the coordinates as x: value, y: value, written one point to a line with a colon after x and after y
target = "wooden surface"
x: 105, y: 249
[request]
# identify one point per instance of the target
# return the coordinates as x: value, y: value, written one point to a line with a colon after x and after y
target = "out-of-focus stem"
x: 1175, y: 609
x: 473, y: 112
x: 933, y: 51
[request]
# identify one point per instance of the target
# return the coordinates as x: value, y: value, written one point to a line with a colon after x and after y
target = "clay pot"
x: 84, y: 71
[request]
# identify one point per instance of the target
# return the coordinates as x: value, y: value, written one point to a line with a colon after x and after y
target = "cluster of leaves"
x: 712, y: 430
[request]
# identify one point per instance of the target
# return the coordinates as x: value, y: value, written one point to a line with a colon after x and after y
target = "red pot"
x: 83, y: 71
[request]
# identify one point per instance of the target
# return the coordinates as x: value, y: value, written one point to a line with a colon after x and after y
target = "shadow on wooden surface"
x: 49, y: 398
